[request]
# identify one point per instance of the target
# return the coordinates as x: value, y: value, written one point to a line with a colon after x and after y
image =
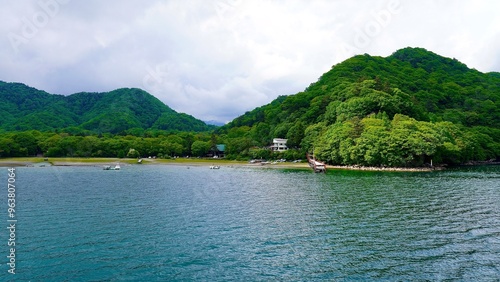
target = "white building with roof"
x: 279, y: 144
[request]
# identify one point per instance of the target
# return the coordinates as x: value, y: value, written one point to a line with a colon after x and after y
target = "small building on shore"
x: 217, y: 151
x: 279, y: 145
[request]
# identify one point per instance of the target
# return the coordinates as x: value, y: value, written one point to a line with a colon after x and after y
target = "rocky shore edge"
x: 374, y: 168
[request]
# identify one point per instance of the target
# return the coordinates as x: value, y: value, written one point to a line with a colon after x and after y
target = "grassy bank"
x: 12, y: 162
x: 7, y: 162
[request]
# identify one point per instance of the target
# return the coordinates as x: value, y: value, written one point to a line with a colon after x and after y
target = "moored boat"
x: 108, y: 167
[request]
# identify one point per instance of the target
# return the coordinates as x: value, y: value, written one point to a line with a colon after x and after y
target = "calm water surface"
x: 166, y: 223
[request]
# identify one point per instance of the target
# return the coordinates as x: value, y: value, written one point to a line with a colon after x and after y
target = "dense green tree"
x: 87, y: 146
x: 27, y: 142
x: 200, y: 148
x: 133, y: 153
x: 295, y: 135
x: 260, y: 153
x: 168, y: 148
x: 9, y: 148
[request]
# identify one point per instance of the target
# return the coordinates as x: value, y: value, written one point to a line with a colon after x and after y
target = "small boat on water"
x: 108, y: 167
x: 214, y: 167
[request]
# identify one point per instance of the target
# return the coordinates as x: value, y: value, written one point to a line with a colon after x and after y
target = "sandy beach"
x: 36, y: 161
x: 20, y: 162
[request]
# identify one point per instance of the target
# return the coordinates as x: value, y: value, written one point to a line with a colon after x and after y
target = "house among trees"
x: 218, y: 151
x: 279, y: 145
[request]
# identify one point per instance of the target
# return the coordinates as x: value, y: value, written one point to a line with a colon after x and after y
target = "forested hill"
x: 406, y: 109
x: 25, y: 108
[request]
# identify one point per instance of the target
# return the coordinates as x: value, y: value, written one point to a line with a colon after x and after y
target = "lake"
x: 179, y: 223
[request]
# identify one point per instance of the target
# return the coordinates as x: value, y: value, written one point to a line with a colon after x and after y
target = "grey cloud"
x: 217, y: 59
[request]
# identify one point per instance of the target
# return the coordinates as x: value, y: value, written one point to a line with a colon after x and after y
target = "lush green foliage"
x: 152, y: 143
x: 408, y: 109
x: 404, y: 110
x: 24, y: 108
x: 403, y: 141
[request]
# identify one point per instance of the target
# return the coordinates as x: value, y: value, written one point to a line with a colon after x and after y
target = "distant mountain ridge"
x: 214, y: 122
x: 26, y: 108
x: 437, y: 87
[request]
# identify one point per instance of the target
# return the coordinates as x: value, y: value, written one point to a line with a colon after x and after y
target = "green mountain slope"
x: 403, y: 110
x: 25, y: 108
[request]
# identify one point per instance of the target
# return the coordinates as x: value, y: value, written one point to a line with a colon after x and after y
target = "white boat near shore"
x: 108, y: 167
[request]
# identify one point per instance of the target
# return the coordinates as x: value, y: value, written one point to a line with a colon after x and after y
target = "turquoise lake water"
x: 171, y: 223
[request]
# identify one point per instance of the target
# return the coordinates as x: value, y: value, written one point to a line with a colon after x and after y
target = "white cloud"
x: 217, y: 59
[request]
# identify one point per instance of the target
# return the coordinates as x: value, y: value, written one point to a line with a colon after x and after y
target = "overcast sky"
x: 217, y: 59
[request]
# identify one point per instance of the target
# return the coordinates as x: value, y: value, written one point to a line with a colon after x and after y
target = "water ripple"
x: 156, y: 223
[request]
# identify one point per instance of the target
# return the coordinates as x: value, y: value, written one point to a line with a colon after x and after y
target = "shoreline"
x: 99, y: 162
x: 37, y: 161
x: 391, y: 169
